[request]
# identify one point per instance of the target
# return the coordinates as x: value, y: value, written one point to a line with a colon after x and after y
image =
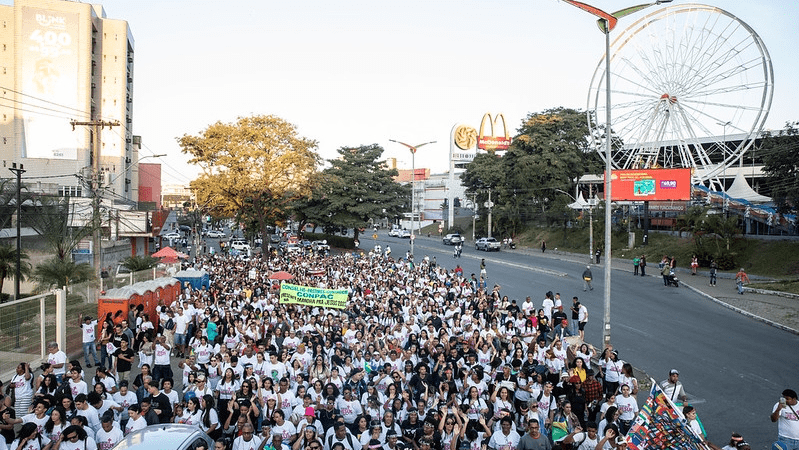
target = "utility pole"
x: 96, y: 126
x: 489, y: 205
x: 18, y: 171
x: 474, y: 215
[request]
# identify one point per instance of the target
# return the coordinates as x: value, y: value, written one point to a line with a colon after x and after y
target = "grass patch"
x: 791, y: 286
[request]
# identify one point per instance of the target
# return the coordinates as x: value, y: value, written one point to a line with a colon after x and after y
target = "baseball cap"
x: 309, y: 411
x: 674, y: 372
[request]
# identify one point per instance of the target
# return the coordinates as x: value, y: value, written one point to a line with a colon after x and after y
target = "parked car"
x: 404, y: 233
x: 320, y: 246
x: 240, y: 245
x: 167, y: 435
x: 292, y: 248
x: 395, y: 232
x: 452, y: 239
x: 305, y: 243
x: 184, y: 228
x: 487, y: 244
x: 216, y: 234
x: 275, y: 238
x: 172, y: 235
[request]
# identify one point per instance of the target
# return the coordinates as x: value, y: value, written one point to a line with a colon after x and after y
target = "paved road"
x: 733, y: 367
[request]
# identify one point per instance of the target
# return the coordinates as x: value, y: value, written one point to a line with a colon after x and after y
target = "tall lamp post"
x: 723, y: 157
x: 607, y: 22
x: 413, y: 149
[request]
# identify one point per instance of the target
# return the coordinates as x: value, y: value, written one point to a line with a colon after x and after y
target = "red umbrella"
x: 281, y: 275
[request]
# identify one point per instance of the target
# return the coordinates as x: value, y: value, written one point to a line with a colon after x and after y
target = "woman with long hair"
x: 308, y: 438
x: 28, y: 438
x: 210, y: 420
x: 56, y: 423
x: 192, y: 414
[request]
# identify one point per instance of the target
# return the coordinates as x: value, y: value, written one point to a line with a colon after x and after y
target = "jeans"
x: 162, y: 371
x: 740, y: 287
x: 105, y: 359
x: 566, y: 331
x: 90, y: 347
x: 575, y: 327
x: 712, y: 279
x: 791, y: 444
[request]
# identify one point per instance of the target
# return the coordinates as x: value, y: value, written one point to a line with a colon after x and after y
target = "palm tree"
x: 139, y: 263
x: 57, y: 272
x: 8, y: 264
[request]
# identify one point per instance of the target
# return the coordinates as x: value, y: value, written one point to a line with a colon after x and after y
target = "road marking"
x: 510, y: 264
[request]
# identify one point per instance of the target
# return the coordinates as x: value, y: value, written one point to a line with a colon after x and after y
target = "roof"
x: 171, y: 436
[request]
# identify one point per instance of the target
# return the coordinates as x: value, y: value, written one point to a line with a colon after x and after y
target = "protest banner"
x: 293, y: 294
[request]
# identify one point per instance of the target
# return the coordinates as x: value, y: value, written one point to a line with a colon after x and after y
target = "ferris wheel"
x: 684, y: 80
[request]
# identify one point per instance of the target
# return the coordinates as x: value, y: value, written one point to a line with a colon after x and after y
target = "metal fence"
x: 26, y: 325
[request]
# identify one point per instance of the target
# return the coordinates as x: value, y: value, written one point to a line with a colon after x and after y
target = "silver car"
x: 166, y: 435
x: 487, y: 244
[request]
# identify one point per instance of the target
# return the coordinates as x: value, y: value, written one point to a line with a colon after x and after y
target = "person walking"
x: 713, y: 268
x: 740, y: 278
x: 587, y: 278
x: 642, y: 265
x: 483, y: 273
x: 636, y: 263
x: 543, y: 246
x: 598, y: 254
x: 665, y: 271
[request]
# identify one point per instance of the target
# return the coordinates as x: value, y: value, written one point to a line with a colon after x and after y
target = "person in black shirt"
x: 148, y: 413
x: 160, y: 403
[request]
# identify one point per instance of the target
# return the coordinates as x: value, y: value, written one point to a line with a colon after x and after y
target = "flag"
x: 660, y: 425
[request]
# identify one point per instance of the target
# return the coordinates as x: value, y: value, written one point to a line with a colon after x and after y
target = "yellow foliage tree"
x: 252, y: 169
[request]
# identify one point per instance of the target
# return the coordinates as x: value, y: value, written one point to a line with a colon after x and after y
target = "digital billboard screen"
x: 651, y: 184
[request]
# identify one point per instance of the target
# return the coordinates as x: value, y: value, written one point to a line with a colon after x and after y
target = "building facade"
x: 64, y: 68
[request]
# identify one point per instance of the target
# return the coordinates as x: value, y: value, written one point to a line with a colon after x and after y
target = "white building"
x: 64, y: 61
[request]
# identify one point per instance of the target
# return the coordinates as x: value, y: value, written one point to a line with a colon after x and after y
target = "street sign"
x: 413, y: 236
x: 489, y: 204
x: 374, y: 236
x: 440, y: 227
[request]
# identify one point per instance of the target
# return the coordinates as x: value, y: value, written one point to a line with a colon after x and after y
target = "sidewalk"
x: 776, y: 310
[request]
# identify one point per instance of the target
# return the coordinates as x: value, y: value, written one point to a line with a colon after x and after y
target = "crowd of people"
x: 422, y: 358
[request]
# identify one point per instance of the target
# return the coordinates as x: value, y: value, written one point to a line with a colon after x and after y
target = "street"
x: 732, y: 367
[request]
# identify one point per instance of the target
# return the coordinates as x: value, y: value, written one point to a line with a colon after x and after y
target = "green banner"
x: 309, y: 296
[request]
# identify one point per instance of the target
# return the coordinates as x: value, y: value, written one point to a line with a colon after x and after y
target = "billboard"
x: 49, y: 80
x: 491, y: 142
x: 651, y: 184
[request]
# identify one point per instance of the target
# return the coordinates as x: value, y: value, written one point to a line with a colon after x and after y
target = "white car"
x: 292, y: 248
x: 395, y: 232
x: 404, y: 234
x: 216, y: 234
x: 240, y: 245
x: 487, y: 244
x: 172, y: 235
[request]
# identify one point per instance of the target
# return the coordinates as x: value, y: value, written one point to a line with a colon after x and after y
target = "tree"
x: 55, y: 272
x: 253, y: 169
x: 550, y: 153
x: 51, y: 218
x: 781, y: 168
x: 358, y: 187
x: 8, y: 264
x: 139, y: 263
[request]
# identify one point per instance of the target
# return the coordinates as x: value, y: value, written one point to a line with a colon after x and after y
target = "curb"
x: 767, y: 292
x: 743, y: 312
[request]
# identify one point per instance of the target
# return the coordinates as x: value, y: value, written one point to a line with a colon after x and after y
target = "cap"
x: 621, y: 440
x: 200, y: 377
x: 309, y: 411
x: 674, y: 372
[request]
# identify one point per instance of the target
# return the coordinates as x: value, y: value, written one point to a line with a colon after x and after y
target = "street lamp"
x: 133, y: 164
x: 413, y: 149
x: 607, y: 22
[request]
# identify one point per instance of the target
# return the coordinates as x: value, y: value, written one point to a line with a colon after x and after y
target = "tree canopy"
x: 252, y: 169
x: 779, y: 163
x: 358, y: 187
x: 549, y: 153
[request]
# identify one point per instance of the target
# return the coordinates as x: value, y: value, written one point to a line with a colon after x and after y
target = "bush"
x: 726, y: 261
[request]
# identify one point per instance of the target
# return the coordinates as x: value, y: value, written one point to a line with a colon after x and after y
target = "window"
x: 70, y: 191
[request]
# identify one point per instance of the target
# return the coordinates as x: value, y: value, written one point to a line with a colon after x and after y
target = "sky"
x: 357, y: 72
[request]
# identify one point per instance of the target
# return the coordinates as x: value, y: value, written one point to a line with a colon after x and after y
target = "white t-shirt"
x: 134, y: 425
x: 628, y: 407
x: 58, y: 357
x: 181, y: 323
x: 788, y: 423
x: 501, y: 442
x: 88, y: 331
x: 161, y: 355
x: 80, y: 445
x: 240, y: 444
x: 107, y: 440
x: 32, y: 444
x: 31, y: 418
x: 585, y: 442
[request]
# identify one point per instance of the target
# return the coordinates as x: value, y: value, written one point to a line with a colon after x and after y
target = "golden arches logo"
x: 493, y: 142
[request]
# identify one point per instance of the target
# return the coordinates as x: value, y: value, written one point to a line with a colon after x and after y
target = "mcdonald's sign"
x: 492, y: 142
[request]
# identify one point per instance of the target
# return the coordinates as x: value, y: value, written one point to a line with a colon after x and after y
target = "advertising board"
x: 651, y: 184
